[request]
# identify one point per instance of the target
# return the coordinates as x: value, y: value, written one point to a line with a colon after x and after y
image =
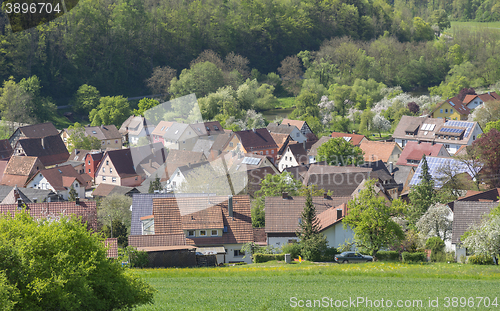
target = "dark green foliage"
x: 329, y: 254
x: 413, y: 257
x: 481, y: 259
x: 387, y: 256
x: 258, y: 258
x: 155, y: 185
x: 313, y: 243
x: 72, y: 194
x: 422, y: 196
x: 62, y: 266
x: 435, y: 244
x: 119, y: 232
x: 137, y: 258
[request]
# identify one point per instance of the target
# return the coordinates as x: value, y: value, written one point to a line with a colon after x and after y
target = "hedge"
x: 413, y: 257
x: 258, y: 258
x: 387, y: 256
x: 480, y: 260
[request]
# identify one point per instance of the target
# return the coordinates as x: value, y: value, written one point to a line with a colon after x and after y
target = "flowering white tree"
x: 484, y: 238
x: 326, y: 107
x: 380, y: 124
x: 437, y: 221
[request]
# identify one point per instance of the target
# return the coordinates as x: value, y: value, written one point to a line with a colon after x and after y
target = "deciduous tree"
x: 291, y: 73
x: 337, y: 151
x: 111, y: 110
x: 86, y: 98
x: 436, y: 222
x: 78, y: 139
x: 159, y: 82
x: 488, y: 152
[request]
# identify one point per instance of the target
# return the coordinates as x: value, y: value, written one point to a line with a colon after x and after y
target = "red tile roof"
x: 112, y: 246
x: 257, y: 139
x: 414, y: 151
x: 329, y: 217
x: 355, y: 139
x: 61, y: 177
x: 377, y: 150
x: 484, y: 97
x: 457, y: 104
x: 23, y: 165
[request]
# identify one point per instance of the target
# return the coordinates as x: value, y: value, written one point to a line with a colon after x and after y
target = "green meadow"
x: 277, y: 286
x: 472, y: 26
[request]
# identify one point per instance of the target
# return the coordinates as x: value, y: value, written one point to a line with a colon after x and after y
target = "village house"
x: 284, y: 128
x: 413, y: 152
x: 452, y: 109
x: 117, y: 168
x: 303, y: 128
x: 378, y: 150
x: 136, y: 127
x: 256, y: 141
x: 294, y: 155
x: 354, y: 139
x: 180, y: 136
x: 177, y: 158
x: 473, y: 101
x: 159, y: 131
x: 59, y: 179
x: 92, y: 161
x: 20, y: 169
x: 33, y: 131
x: 50, y: 149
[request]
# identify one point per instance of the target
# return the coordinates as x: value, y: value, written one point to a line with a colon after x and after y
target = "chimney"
x: 304, y: 144
x: 339, y: 213
x: 77, y: 201
x: 150, y: 162
x: 42, y: 141
x: 284, y: 195
x: 253, y: 130
x: 325, y: 195
x: 489, y: 93
x: 230, y: 206
x: 391, y: 167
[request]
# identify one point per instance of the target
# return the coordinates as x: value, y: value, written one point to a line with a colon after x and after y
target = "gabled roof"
x: 314, y: 148
x: 282, y: 215
x: 96, y: 156
x: 299, y: 153
x: 282, y: 128
x: 13, y: 195
x: 176, y: 158
x: 5, y: 149
x: 39, y: 130
x: 414, y: 151
x: 256, y: 139
x: 175, y: 131
x: 103, y: 132
x: 53, y: 151
x: 207, y: 128
x: 22, y: 165
x: 124, y: 127
x: 377, y: 150
x: 466, y: 214
x: 170, y: 212
x: 491, y: 195
x: 329, y: 217
x: 456, y: 103
x: 54, y: 210
x: 161, y: 128
x: 136, y: 125
x: 61, y: 177
x: 79, y: 155
x: 298, y: 123
x: 221, y: 141
x: 122, y: 161
x: 280, y: 140
x: 31, y: 193
x: 354, y: 139
x: 484, y: 97
x: 209, y: 218
x: 203, y: 145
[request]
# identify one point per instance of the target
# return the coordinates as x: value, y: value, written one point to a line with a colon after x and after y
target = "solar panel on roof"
x: 250, y: 161
x: 347, y: 138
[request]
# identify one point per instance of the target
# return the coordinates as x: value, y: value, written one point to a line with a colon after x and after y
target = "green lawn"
x: 272, y: 286
x: 286, y: 102
x: 472, y: 26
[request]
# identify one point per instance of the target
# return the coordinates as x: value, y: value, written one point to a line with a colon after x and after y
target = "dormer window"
x: 191, y: 233
x: 215, y: 233
x: 94, y: 132
x: 216, y: 127
x: 203, y: 232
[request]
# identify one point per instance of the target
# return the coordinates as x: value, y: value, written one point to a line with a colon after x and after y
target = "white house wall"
x: 336, y: 235
x: 230, y: 248
x: 278, y: 242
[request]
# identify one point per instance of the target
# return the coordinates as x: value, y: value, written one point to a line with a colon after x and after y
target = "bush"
x: 329, y: 254
x: 59, y: 265
x: 137, y: 258
x: 438, y: 256
x: 480, y: 259
x: 387, y: 256
x: 435, y: 244
x: 291, y: 248
x: 413, y: 257
x: 258, y: 258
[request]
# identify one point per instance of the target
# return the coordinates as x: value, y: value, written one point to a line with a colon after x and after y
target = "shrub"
x: 329, y: 254
x: 291, y: 248
x: 258, y: 258
x: 438, y: 256
x: 387, y: 256
x: 413, y: 257
x: 137, y: 258
x: 435, y: 244
x: 480, y: 259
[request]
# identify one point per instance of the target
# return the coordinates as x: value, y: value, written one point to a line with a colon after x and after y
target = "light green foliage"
x: 145, y: 104
x: 371, y: 218
x: 272, y: 185
x: 306, y: 106
x: 111, y: 110
x: 450, y: 88
x: 492, y: 125
x: 86, y: 98
x: 440, y: 18
x: 221, y: 102
x: 455, y: 54
x: 79, y: 140
x: 337, y: 151
x: 61, y: 265
x: 115, y: 207
x: 201, y: 79
x: 313, y: 243
x: 422, y: 31
x: 434, y: 244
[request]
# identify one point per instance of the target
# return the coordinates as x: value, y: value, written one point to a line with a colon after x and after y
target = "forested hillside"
x: 114, y: 45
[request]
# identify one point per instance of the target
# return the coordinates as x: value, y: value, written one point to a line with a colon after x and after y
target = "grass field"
x: 472, y: 26
x: 272, y: 286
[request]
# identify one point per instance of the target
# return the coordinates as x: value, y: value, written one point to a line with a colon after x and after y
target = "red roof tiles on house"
x: 354, y: 139
x: 414, y: 151
x: 330, y: 216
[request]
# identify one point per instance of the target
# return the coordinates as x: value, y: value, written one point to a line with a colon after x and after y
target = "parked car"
x: 347, y: 257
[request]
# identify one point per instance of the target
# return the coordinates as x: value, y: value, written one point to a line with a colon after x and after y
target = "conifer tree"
x: 422, y: 196
x: 313, y: 242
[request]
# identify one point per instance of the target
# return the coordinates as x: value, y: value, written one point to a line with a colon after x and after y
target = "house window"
x: 76, y: 185
x: 446, y: 110
x: 111, y: 170
x: 267, y: 151
x: 298, y: 134
x: 89, y: 170
x: 89, y: 162
x: 191, y: 233
x: 107, y: 162
x: 441, y: 110
x: 225, y: 229
x: 451, y: 110
x: 109, y: 142
x: 103, y: 178
x: 261, y: 153
x: 238, y: 253
x: 272, y: 151
x: 113, y: 179
x: 104, y: 170
x: 447, y: 146
x: 136, y: 178
x: 215, y: 233
x: 474, y: 137
x: 203, y: 232
x: 173, y: 184
x: 230, y: 144
x: 116, y: 141
x: 102, y: 143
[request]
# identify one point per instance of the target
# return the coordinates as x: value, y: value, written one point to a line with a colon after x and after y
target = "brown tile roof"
x: 299, y: 124
x: 122, y: 161
x: 157, y: 240
x: 259, y: 236
x: 124, y: 127
x: 456, y: 103
x: 221, y: 141
x: 103, y: 190
x: 329, y: 217
x: 78, y: 155
x: 280, y: 140
x: 161, y: 128
x: 282, y: 128
x: 112, y: 245
x: 14, y: 180
x: 5, y: 149
x: 314, y: 148
x: 52, y: 152
x: 256, y: 139
x: 467, y: 214
x: 168, y: 213
x: 103, y: 132
x: 178, y: 158
x: 484, y: 97
x: 282, y: 215
x: 377, y: 150
x: 355, y: 139
x: 22, y: 165
x: 210, y: 218
x: 39, y: 130
x: 414, y: 151
x: 61, y: 177
x: 86, y: 210
x: 207, y: 128
x: 491, y: 195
